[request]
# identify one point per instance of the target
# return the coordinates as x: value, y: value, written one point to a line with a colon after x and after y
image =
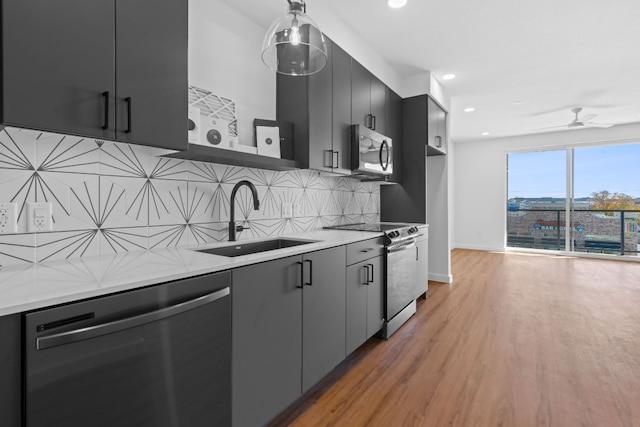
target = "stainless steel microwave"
x: 371, y: 152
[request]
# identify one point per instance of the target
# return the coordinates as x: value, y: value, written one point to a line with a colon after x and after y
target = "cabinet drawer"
x: 364, y: 250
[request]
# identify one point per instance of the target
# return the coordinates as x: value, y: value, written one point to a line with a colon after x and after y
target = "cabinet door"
x: 360, y: 95
x: 375, y: 305
x: 394, y: 131
x: 58, y: 60
x: 378, y: 105
x: 357, y: 283
x: 267, y: 339
x: 11, y: 371
x: 432, y: 122
x: 323, y: 310
x: 441, y: 116
x: 320, y: 115
x: 151, y: 60
x: 342, y: 109
x: 422, y: 266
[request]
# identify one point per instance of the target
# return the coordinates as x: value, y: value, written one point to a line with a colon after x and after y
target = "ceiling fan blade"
x: 599, y: 125
x: 551, y: 127
x: 588, y: 117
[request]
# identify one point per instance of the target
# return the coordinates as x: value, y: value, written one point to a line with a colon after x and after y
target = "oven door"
x: 401, y: 277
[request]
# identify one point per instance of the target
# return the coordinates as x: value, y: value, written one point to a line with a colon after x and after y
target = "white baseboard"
x: 478, y: 247
x: 444, y: 278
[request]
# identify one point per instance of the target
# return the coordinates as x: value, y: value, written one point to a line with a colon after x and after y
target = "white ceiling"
x: 551, y: 55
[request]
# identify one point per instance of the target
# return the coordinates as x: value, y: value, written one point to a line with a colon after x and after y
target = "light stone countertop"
x: 24, y: 288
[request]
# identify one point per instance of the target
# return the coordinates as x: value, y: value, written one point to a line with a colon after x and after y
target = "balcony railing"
x: 593, y: 230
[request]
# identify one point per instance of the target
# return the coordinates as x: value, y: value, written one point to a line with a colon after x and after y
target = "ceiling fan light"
x: 294, y: 45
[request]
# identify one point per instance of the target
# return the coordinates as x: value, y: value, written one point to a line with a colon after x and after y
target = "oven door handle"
x: 402, y: 246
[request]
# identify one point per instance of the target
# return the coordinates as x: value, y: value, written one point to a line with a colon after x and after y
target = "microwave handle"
x: 384, y: 164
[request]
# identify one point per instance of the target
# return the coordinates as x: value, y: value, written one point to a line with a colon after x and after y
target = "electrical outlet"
x: 297, y: 210
x: 39, y: 217
x: 8, y: 218
x: 287, y: 210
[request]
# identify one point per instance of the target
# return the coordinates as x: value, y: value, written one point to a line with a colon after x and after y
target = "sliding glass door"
x: 536, y: 202
x: 583, y: 199
x: 605, y: 199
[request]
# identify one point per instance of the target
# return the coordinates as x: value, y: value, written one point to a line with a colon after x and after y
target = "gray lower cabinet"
x: 266, y: 339
x: 323, y: 314
x: 288, y: 330
x: 10, y: 371
x: 364, y: 301
x: 422, y: 265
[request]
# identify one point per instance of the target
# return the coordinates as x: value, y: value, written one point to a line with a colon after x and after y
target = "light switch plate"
x: 39, y: 217
x: 287, y: 210
x: 297, y: 210
x: 8, y: 218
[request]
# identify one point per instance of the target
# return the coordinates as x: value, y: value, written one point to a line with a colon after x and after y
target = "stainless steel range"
x: 401, y: 285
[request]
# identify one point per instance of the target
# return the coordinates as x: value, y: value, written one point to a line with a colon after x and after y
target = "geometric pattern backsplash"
x: 113, y: 197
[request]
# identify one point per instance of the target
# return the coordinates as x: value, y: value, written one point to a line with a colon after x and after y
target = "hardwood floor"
x: 516, y: 340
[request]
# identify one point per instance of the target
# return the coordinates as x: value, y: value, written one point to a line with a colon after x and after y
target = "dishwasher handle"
x: 81, y: 334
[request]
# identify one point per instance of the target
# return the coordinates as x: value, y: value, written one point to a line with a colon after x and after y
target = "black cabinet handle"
x: 438, y: 141
x: 328, y: 163
x: 366, y: 279
x: 128, y: 101
x: 417, y: 254
x: 310, y: 272
x: 368, y: 119
x: 336, y: 154
x: 105, y: 95
x: 373, y: 122
x: 371, y: 278
x: 301, y: 275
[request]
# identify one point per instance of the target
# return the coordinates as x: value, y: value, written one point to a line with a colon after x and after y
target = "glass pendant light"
x: 294, y: 45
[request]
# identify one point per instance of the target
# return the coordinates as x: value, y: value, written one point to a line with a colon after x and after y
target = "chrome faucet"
x: 233, y: 228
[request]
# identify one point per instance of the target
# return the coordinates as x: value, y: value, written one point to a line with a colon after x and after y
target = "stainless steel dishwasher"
x: 158, y: 356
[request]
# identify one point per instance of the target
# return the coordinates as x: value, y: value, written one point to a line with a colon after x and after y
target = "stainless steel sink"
x: 255, y: 247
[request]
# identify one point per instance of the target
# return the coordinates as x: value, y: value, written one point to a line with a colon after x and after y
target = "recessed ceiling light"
x: 469, y: 110
x: 449, y: 76
x: 396, y: 3
x: 485, y: 133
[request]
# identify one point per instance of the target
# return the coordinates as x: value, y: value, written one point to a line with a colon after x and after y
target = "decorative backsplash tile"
x: 112, y: 197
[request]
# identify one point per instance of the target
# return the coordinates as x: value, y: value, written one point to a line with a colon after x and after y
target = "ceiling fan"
x: 580, y: 122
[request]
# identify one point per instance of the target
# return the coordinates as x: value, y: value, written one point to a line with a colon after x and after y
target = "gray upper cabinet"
x: 323, y: 314
x: 266, y: 339
x: 437, y: 129
x: 319, y: 106
x: 368, y: 104
x: 151, y: 72
x: 341, y: 110
x: 57, y: 65
x: 394, y: 131
x: 104, y: 69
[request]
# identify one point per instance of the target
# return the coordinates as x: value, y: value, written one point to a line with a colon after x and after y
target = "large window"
x: 583, y: 199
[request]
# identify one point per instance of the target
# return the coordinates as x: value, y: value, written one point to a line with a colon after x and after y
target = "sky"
x: 543, y: 174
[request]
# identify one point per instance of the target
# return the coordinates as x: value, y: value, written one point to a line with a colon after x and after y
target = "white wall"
x: 224, y: 57
x: 480, y: 179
